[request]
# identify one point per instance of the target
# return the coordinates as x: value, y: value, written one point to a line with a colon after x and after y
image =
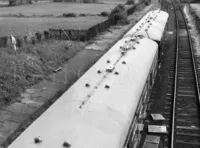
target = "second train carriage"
x: 151, y: 27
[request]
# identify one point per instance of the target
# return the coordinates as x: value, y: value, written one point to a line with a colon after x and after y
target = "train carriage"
x: 98, y: 116
x: 152, y: 27
x: 106, y: 106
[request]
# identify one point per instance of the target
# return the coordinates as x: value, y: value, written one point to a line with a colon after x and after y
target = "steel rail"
x: 175, y: 79
x: 176, y: 70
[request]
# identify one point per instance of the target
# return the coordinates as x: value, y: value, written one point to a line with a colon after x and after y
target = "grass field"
x: 21, y: 26
x: 113, y: 1
x: 56, y: 9
x: 5, y: 2
x: 20, y: 20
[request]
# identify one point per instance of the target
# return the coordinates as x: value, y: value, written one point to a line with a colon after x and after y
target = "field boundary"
x: 84, y: 35
x: 66, y: 34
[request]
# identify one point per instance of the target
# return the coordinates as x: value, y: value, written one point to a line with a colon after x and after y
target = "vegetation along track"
x: 185, y: 126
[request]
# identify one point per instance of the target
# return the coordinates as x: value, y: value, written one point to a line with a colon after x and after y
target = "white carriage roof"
x: 104, y: 118
x: 151, y: 25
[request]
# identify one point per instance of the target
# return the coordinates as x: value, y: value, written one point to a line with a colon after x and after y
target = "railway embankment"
x: 192, y: 13
x: 15, y: 117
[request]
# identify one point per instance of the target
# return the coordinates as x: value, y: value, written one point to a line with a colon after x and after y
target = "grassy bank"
x: 31, y: 64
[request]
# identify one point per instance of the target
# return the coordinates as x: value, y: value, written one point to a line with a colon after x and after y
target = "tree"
x: 130, y: 2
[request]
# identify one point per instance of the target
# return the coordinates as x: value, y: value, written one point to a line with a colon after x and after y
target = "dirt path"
x: 35, y: 100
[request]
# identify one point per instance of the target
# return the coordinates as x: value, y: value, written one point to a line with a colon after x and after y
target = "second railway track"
x: 185, y: 132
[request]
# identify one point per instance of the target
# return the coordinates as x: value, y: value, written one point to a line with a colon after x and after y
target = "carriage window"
x: 151, y: 79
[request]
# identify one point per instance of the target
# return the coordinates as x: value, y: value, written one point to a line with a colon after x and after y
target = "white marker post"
x: 14, y: 42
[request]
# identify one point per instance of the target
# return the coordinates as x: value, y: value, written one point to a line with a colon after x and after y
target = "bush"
x: 69, y: 15
x: 38, y: 36
x: 12, y: 3
x: 46, y: 35
x: 120, y: 7
x: 82, y: 14
x: 119, y: 13
x: 88, y: 1
x: 104, y: 13
x: 19, y: 41
x: 33, y: 41
x: 147, y: 2
x: 3, y: 41
x: 123, y: 22
x: 29, y: 1
x: 130, y: 2
x: 20, y: 15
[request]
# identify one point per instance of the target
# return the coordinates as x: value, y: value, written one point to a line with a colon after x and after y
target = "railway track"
x: 185, y: 128
x: 176, y: 95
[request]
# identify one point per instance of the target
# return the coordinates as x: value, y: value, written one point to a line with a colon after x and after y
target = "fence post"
x: 60, y: 34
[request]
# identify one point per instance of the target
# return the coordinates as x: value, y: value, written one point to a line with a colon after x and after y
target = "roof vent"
x: 37, y: 140
x: 66, y: 144
x: 110, y: 68
x: 108, y: 61
x: 123, y: 62
x: 99, y: 71
x: 107, y: 86
x: 87, y: 85
x: 116, y: 73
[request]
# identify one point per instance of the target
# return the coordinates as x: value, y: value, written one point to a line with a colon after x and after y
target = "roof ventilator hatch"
x: 38, y: 140
x: 130, y: 44
x: 110, y: 68
x: 66, y: 145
